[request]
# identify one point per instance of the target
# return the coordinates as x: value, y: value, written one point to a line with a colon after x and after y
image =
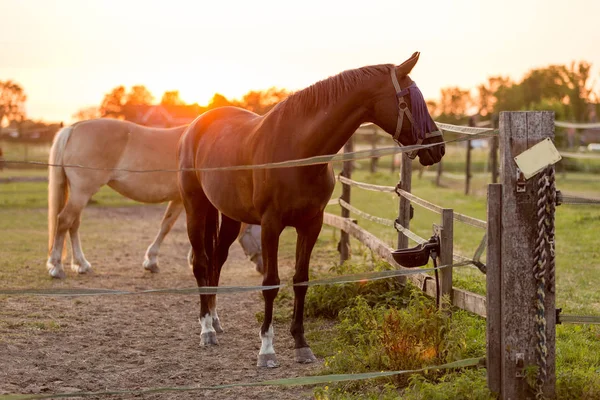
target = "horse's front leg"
x: 171, y: 214
x: 271, y: 229
x: 307, y: 237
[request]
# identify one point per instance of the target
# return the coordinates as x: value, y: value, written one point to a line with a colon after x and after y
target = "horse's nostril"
x: 443, y: 150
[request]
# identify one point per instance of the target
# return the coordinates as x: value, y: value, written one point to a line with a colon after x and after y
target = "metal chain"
x: 550, y: 225
x: 543, y: 267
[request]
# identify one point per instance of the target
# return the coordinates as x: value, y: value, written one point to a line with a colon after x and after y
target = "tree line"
x: 568, y: 90
x: 120, y: 103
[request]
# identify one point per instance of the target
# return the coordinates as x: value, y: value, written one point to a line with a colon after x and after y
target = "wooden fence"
x: 511, y: 304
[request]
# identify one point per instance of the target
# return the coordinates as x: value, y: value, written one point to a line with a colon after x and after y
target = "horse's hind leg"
x: 307, y: 237
x: 79, y: 263
x: 171, y: 214
x: 228, y: 232
x: 198, y: 210
x: 68, y: 219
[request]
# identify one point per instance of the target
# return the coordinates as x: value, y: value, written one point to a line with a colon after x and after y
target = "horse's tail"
x: 58, y: 188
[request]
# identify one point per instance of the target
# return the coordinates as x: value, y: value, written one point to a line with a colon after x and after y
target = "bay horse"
x: 315, y: 121
x: 109, y: 146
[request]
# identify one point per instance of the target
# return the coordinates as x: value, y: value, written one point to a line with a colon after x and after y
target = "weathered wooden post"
x: 344, y: 245
x: 524, y: 322
x: 446, y: 252
x: 494, y: 152
x: 404, y: 207
x: 493, y: 279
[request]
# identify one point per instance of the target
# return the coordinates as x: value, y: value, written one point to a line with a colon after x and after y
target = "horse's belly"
x: 232, y: 195
x: 151, y: 187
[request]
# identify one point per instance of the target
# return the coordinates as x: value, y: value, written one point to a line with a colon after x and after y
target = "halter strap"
x: 402, y: 110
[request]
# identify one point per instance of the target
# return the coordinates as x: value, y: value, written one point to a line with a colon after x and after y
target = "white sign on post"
x: 538, y: 157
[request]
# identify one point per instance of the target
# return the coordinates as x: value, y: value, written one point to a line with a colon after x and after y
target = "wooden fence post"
x: 494, y: 152
x: 468, y: 163
x: 404, y: 207
x: 518, y: 132
x: 374, y: 139
x: 494, y: 287
x: 344, y: 245
x: 494, y: 159
x: 446, y: 252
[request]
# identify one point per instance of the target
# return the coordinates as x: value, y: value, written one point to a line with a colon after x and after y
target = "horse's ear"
x: 407, y: 66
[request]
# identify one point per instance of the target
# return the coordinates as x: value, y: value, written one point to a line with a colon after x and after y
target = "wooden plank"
x: 344, y: 246
x: 494, y: 288
x: 404, y: 207
x: 518, y: 132
x: 468, y: 301
x: 461, y: 298
x: 446, y: 252
x: 423, y: 203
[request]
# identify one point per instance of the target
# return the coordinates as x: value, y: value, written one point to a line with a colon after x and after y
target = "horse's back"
x: 221, y: 138
x: 115, y: 150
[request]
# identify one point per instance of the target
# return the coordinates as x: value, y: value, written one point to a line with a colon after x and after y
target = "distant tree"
x: 113, y: 102
x: 139, y: 95
x: 87, y: 113
x: 171, y: 98
x: 453, y: 105
x: 580, y: 90
x: 432, y: 106
x: 218, y: 100
x: 12, y: 101
x: 261, y: 101
x: 121, y: 104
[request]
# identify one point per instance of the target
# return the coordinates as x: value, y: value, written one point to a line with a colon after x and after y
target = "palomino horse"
x: 110, y: 146
x: 315, y: 121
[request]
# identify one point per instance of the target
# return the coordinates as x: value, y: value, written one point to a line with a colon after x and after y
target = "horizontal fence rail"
x: 463, y: 299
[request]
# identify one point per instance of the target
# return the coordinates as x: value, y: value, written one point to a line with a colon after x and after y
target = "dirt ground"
x: 96, y: 343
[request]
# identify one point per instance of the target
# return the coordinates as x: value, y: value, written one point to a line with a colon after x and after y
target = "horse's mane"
x: 329, y: 90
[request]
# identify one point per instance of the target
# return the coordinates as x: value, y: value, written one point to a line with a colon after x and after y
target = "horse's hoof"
x: 151, y: 266
x: 305, y: 355
x: 81, y: 268
x: 267, y: 361
x: 217, y: 325
x: 208, y: 339
x: 56, y: 272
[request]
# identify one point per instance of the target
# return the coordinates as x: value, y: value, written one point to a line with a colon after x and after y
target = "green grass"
x: 29, y: 195
x: 17, y: 151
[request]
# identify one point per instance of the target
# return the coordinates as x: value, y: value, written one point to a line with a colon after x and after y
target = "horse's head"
x: 402, y: 112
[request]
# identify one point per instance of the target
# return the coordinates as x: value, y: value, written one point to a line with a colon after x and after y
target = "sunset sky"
x: 68, y: 53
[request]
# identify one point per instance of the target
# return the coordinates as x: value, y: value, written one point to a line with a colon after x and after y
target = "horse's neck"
x: 331, y: 128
